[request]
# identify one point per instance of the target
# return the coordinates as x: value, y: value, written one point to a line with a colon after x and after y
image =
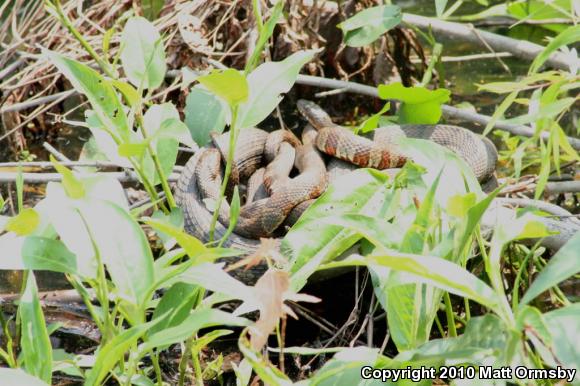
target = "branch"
x: 43, y: 178
x: 449, y: 112
x: 457, y: 31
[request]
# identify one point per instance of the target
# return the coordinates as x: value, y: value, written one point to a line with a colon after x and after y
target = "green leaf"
x: 192, y: 246
x: 165, y: 131
x: 368, y: 25
x: 99, y: 92
x: 152, y: 8
x: 204, y: 114
x: 531, y: 318
x: 72, y: 186
x: 345, y: 367
x: 308, y: 244
x: 230, y: 85
x: 132, y: 149
x: 175, y: 219
x: 372, y: 122
x: 266, y: 83
x: 420, y: 105
x: 177, y: 303
x: 561, y: 266
x: 440, y: 273
x: 123, y: 248
x: 24, y: 223
x: 143, y: 55
x: 569, y: 36
x: 35, y: 343
x: 18, y: 377
x: 540, y: 10
x: 111, y: 353
x: 41, y: 253
x: 131, y: 96
x: 563, y: 326
x: 440, y: 7
x: 197, y: 320
x: 212, y: 277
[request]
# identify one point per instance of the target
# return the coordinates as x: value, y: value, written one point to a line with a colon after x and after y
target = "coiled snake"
x: 263, y: 161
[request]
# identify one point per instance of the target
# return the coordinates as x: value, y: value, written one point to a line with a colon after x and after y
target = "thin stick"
x: 94, y: 164
x: 43, y: 178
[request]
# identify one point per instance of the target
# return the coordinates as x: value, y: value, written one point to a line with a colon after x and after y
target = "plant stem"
x: 156, y: 367
x: 183, y: 360
x: 196, y: 366
x: 449, y: 313
x: 105, y: 66
x: 435, y: 56
x: 8, y: 355
x: 230, y: 160
x: 157, y: 163
x: 258, y: 15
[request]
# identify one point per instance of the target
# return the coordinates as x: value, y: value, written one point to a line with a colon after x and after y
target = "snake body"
x: 274, y: 198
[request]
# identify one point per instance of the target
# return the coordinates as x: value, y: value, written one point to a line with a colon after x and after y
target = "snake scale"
x: 264, y: 161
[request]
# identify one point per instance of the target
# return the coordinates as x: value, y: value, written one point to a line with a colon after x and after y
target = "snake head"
x: 314, y: 114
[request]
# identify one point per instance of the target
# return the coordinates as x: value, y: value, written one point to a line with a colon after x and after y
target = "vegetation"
x: 444, y: 290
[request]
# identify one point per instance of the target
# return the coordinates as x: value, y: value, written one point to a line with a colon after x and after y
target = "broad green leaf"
x: 136, y: 150
x: 99, y: 92
x: 483, y: 343
x: 105, y: 141
x: 459, y: 205
x: 230, y: 85
x: 91, y: 152
x: 165, y: 131
x: 130, y: 94
x: 72, y: 186
x: 111, y: 353
x: 345, y: 367
x: 561, y: 266
x: 308, y: 244
x: 266, y: 83
x: 372, y: 122
x: 565, y: 332
x: 192, y: 246
x: 440, y: 273
x: 197, y: 320
x: 569, y: 36
x: 531, y: 318
x: 212, y: 277
x: 24, y: 223
x: 152, y: 8
x: 177, y: 303
x: 123, y: 247
x: 143, y: 55
x: 368, y: 25
x: 41, y: 253
x: 15, y: 377
x: 175, y: 219
x: 204, y: 114
x: 36, y: 348
x: 540, y: 10
x: 440, y: 7
x: 420, y: 105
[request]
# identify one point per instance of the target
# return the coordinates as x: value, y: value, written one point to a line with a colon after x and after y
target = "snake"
x: 275, y: 200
